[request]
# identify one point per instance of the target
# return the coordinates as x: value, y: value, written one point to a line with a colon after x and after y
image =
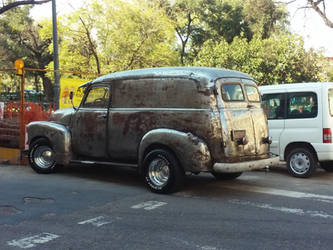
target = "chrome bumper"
x: 245, y: 166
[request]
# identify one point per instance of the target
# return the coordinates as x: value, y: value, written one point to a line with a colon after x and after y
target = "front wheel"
x: 226, y: 176
x: 301, y: 162
x: 41, y: 156
x: 162, y: 172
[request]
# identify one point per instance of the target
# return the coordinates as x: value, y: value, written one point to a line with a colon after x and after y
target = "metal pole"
x: 56, y: 87
x: 22, y: 109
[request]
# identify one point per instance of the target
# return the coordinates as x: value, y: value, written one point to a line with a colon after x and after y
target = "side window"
x: 97, y: 97
x: 302, y: 105
x: 252, y: 93
x: 232, y: 92
x: 274, y: 106
x: 330, y: 101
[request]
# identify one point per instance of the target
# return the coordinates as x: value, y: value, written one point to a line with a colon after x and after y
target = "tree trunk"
x: 48, y: 88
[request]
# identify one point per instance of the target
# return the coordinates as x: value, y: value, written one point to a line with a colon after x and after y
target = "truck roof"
x: 210, y: 74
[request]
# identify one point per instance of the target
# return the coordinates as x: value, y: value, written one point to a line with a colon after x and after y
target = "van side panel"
x: 142, y: 105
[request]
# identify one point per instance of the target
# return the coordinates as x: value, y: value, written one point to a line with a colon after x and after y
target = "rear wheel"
x: 226, y: 176
x: 41, y: 156
x: 301, y: 162
x: 162, y: 172
x: 328, y: 166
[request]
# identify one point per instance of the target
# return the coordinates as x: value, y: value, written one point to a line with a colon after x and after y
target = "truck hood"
x: 62, y: 116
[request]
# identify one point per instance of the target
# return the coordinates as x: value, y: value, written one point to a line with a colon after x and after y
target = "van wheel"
x: 328, y: 166
x: 41, y: 156
x: 301, y: 162
x: 226, y: 176
x: 162, y: 172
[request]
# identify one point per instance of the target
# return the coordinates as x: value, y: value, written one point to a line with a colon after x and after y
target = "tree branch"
x: 18, y: 3
x: 322, y: 14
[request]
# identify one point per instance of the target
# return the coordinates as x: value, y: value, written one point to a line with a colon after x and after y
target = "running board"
x: 120, y: 164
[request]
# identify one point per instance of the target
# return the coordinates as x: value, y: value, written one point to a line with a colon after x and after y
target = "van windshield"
x: 330, y: 101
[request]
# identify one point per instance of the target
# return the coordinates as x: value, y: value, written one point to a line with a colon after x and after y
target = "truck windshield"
x: 252, y: 93
x: 232, y: 92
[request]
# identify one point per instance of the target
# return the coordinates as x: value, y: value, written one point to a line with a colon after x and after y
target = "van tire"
x: 162, y: 172
x: 226, y: 176
x: 301, y: 162
x: 327, y: 165
x: 41, y: 156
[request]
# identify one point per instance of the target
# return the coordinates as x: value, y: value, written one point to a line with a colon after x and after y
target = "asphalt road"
x: 110, y: 208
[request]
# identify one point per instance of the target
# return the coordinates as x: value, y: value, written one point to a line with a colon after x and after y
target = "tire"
x: 41, y: 156
x: 226, y: 176
x: 328, y: 166
x: 162, y: 172
x: 301, y: 162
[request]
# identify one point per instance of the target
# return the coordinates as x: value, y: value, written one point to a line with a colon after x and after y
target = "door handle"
x: 102, y: 116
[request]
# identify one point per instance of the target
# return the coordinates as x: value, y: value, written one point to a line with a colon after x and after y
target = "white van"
x: 300, y: 120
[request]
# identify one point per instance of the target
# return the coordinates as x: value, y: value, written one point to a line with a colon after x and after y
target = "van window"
x: 274, y: 106
x: 302, y: 105
x: 252, y: 93
x: 330, y: 101
x: 98, y: 97
x: 232, y: 92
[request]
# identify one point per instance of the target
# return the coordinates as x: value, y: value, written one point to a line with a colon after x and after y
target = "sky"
x: 304, y: 22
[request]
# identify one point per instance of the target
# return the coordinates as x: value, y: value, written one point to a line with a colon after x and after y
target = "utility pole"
x: 56, y: 87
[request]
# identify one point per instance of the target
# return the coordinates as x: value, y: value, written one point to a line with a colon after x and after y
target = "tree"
x: 270, y: 61
x: 117, y: 36
x: 21, y: 39
x: 8, y: 5
x: 265, y: 17
x: 320, y: 7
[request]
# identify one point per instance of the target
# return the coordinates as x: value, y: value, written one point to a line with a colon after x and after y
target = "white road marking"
x: 192, y: 245
x: 32, y: 241
x: 296, y: 211
x: 281, y: 192
x: 149, y: 205
x: 98, y: 221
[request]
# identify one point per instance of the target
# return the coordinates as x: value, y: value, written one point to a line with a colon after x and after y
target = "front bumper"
x: 245, y: 166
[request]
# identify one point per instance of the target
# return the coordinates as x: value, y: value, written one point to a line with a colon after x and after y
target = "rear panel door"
x: 237, y: 119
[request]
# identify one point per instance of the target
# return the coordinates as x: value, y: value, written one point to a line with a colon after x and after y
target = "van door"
x: 274, y: 105
x: 240, y: 119
x: 88, y: 124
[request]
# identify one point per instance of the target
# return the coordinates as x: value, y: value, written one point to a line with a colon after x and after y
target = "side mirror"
x: 71, y: 95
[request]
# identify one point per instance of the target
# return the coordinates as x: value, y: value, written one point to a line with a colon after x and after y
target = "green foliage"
x: 265, y: 17
x: 20, y: 38
x: 270, y: 61
x: 119, y: 36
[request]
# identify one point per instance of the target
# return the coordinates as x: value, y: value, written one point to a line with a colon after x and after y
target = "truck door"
x: 89, y: 123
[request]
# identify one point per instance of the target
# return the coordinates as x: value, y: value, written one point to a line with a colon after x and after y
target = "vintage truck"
x: 163, y: 121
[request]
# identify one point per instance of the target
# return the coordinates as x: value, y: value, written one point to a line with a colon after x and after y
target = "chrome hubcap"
x: 159, y: 172
x: 300, y: 163
x: 43, y: 157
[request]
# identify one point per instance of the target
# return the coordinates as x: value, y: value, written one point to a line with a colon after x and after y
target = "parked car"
x: 300, y: 120
x: 162, y: 121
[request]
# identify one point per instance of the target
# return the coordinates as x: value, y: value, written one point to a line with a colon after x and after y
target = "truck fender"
x: 57, y: 134
x: 191, y: 151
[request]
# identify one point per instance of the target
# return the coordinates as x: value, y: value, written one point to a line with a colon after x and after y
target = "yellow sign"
x: 66, y: 86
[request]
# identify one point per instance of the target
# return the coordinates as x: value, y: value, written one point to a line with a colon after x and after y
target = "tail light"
x: 327, y: 135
